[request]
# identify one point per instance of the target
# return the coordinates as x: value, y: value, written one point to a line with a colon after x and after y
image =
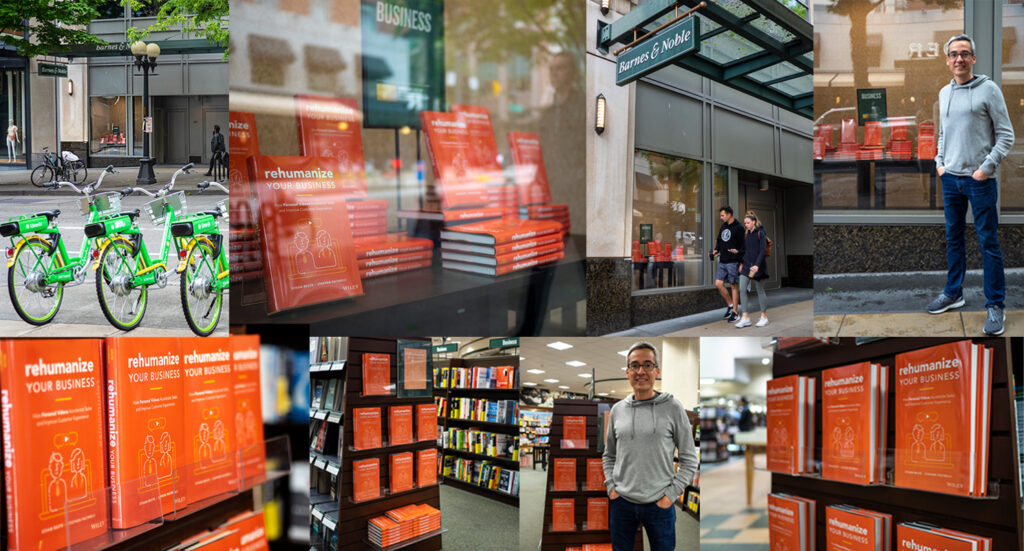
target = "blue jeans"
x: 625, y: 517
x: 957, y: 191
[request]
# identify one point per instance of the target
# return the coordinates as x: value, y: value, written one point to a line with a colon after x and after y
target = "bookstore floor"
x: 727, y: 523
x: 463, y: 514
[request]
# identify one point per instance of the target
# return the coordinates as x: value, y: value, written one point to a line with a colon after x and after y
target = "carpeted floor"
x: 477, y: 523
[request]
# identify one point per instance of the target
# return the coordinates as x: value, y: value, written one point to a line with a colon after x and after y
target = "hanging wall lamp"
x: 605, y: 6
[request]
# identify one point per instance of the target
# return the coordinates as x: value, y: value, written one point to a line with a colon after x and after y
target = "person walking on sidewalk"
x: 216, y: 148
x: 646, y: 431
x: 752, y: 269
x: 729, y: 249
x: 975, y: 135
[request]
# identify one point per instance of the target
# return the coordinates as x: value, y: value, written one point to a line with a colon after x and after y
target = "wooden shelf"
x: 511, y: 463
x: 505, y: 428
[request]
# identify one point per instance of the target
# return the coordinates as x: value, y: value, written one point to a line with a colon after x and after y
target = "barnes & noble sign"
x: 669, y: 44
x: 402, y: 61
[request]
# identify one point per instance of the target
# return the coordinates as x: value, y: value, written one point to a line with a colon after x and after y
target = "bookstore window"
x: 875, y: 108
x: 1011, y: 196
x: 137, y: 122
x: 667, y: 238
x: 109, y: 129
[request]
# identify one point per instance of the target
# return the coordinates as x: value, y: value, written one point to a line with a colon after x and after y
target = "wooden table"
x: 756, y: 441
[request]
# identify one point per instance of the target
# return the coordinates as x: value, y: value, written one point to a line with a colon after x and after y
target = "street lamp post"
x: 145, y: 59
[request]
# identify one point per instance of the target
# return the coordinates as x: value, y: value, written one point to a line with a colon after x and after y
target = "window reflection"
x: 1012, y: 170
x: 109, y: 128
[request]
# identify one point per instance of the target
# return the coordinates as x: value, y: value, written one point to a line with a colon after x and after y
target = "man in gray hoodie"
x: 975, y: 135
x: 646, y: 431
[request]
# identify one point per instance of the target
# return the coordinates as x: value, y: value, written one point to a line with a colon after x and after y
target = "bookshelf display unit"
x: 338, y: 521
x: 997, y: 515
x: 534, y: 435
x: 471, y: 441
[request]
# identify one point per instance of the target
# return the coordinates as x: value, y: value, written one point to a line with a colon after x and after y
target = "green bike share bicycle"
x: 203, y: 266
x: 39, y: 265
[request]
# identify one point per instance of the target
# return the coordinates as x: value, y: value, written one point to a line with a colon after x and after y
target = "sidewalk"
x: 17, y: 182
x: 790, y: 312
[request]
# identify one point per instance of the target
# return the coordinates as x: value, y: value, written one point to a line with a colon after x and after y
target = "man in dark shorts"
x: 729, y: 249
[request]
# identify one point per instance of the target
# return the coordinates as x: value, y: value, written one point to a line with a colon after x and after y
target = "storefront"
x: 876, y: 121
x: 14, y: 108
x: 726, y: 125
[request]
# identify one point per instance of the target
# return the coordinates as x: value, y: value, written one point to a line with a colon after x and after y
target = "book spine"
x: 10, y: 482
x: 113, y: 435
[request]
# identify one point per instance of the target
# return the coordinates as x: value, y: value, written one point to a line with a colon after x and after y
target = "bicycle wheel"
x: 42, y: 174
x: 33, y: 300
x: 77, y: 171
x: 199, y: 300
x: 123, y: 305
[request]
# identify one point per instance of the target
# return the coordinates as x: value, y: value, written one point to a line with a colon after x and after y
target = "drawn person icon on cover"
x: 220, y: 447
x: 205, y: 450
x: 325, y: 257
x: 165, y: 465
x: 917, y: 450
x: 57, y: 489
x: 304, y: 261
x: 837, y: 442
x: 937, y: 449
x: 149, y: 467
x: 79, y: 482
x: 848, y: 442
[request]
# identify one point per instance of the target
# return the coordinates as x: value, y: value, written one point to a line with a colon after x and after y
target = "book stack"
x: 392, y: 253
x: 943, y: 396
x: 790, y: 421
x: 848, y: 145
x: 244, y: 249
x: 532, y: 181
x: 854, y: 401
x: 849, y: 528
x: 872, y: 150
x: 919, y: 535
x: 558, y: 212
x: 791, y: 522
x: 403, y: 523
x: 899, y: 147
x: 499, y: 247
x: 926, y: 144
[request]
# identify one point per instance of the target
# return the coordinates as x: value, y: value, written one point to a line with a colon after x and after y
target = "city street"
x: 80, y: 314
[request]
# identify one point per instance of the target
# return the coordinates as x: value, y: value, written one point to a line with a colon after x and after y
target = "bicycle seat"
x: 49, y: 214
x: 213, y: 213
x: 133, y: 214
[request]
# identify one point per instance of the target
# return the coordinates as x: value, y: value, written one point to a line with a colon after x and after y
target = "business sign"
x: 665, y: 47
x: 646, y: 233
x: 445, y: 348
x: 402, y: 61
x: 870, y: 105
x: 52, y: 70
x: 502, y: 343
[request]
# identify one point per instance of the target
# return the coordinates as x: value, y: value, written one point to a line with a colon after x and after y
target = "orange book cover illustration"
x: 597, y: 513
x: 574, y: 432
x: 400, y: 425
x: 483, y: 147
x: 595, y: 474
x: 329, y: 128
x: 564, y: 471
x: 785, y: 428
x: 54, y: 453
x: 563, y: 515
x: 366, y: 428
x: 245, y: 354
x: 910, y: 538
x: 366, y: 479
x: 426, y: 467
x: 145, y: 437
x: 785, y: 524
x: 401, y: 472
x: 933, y: 443
x: 209, y: 417
x: 849, y: 414
x: 459, y: 180
x: 531, y: 176
x: 242, y: 143
x: 426, y: 422
x: 376, y: 374
x: 414, y: 363
x: 846, y: 531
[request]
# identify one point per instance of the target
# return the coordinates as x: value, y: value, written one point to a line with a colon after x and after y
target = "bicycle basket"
x: 222, y: 206
x: 105, y: 203
x: 68, y: 156
x: 157, y: 211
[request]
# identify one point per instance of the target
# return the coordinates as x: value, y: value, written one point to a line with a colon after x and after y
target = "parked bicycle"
x: 39, y: 265
x: 64, y: 168
x: 203, y: 265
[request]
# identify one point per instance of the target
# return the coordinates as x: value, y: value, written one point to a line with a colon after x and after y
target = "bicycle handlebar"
x: 185, y: 169
x: 203, y: 186
x: 129, y: 190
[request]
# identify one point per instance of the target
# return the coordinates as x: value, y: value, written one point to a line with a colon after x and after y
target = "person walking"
x: 752, y: 269
x: 12, y: 142
x: 729, y: 249
x: 646, y: 431
x: 975, y: 135
x: 216, y: 147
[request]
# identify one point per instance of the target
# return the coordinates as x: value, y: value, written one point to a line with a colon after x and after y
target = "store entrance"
x: 12, y: 109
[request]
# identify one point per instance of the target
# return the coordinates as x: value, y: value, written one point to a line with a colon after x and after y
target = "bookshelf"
x: 534, y: 433
x: 509, y: 431
x: 997, y: 517
x: 558, y: 541
x: 340, y: 514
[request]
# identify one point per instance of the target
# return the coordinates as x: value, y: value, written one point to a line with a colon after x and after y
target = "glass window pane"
x: 112, y: 9
x: 1011, y: 194
x: 12, y: 109
x: 137, y: 126
x: 667, y: 237
x: 109, y: 129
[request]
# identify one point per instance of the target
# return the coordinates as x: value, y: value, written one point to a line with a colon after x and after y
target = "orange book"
x: 401, y: 472
x: 490, y: 250
x: 787, y: 523
x: 394, y: 268
x: 937, y: 408
x: 786, y: 420
x: 248, y: 405
x: 564, y: 472
x: 54, y: 463
x: 390, y: 244
x: 400, y: 425
x: 595, y: 474
x: 574, y: 432
x: 528, y: 160
x: 597, y: 513
x: 209, y: 417
x: 500, y: 232
x: 850, y: 407
x: 460, y: 181
x: 426, y: 467
x: 846, y: 530
x: 919, y: 537
x: 329, y: 128
x: 248, y: 533
x: 376, y: 374
x: 502, y: 260
x: 145, y: 437
x: 506, y: 376
x: 366, y: 428
x: 379, y: 261
x: 426, y: 422
x: 242, y: 143
x: 414, y: 370
x: 366, y: 479
x: 483, y: 147
x: 506, y: 268
x: 563, y: 515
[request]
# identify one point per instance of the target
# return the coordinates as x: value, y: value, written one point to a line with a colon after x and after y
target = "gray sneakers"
x: 994, y: 321
x: 944, y: 303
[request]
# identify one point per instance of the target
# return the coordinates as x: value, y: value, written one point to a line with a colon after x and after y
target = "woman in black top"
x: 752, y: 269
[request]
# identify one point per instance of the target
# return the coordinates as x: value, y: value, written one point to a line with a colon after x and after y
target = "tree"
x: 50, y: 25
x: 206, y: 18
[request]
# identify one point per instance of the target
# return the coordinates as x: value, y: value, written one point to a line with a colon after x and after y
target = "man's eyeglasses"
x: 963, y: 55
x: 646, y: 366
